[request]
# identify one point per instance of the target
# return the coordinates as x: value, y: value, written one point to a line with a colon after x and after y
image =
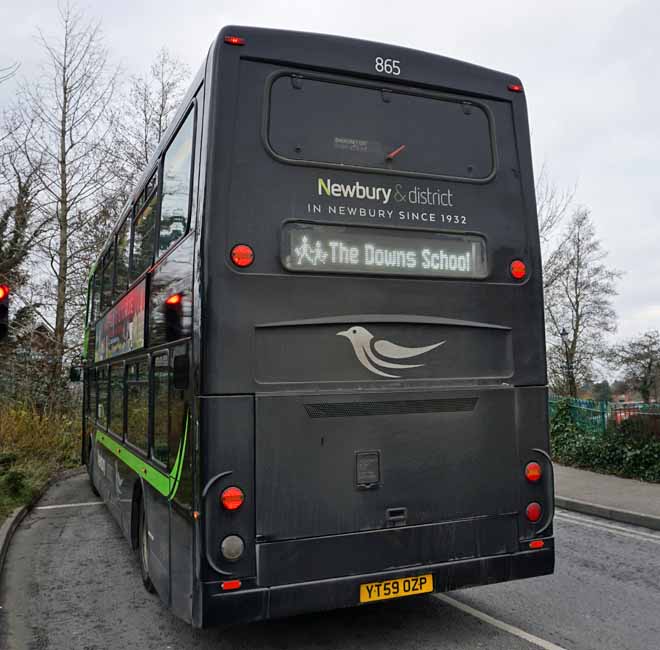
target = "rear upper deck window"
x: 313, y: 120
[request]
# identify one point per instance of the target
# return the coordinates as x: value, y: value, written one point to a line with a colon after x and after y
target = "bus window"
x: 102, y: 396
x: 143, y: 237
x: 137, y: 403
x: 123, y: 250
x: 96, y: 295
x: 161, y: 408
x: 116, y: 419
x: 323, y: 121
x: 175, y: 206
x: 108, y: 271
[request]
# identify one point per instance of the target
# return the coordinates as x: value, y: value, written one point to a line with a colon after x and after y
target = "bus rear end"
x: 372, y: 357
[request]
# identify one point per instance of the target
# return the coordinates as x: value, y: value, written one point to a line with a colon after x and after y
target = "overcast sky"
x: 590, y: 71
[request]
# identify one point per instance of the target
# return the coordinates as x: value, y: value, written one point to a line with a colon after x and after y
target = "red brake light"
x: 536, y: 544
x: 232, y: 498
x: 4, y: 291
x: 518, y: 269
x: 174, y: 299
x: 534, y: 512
x: 533, y: 472
x: 242, y: 255
x: 515, y: 88
x: 234, y: 40
x: 229, y: 585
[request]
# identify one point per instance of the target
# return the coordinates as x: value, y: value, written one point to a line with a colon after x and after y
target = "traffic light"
x: 4, y: 310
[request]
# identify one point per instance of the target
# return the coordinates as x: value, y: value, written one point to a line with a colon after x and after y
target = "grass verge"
x: 33, y: 448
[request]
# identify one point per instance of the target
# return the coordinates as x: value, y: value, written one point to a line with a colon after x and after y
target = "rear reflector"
x: 533, y: 472
x: 232, y: 498
x: 536, y: 544
x: 534, y: 512
x: 230, y: 585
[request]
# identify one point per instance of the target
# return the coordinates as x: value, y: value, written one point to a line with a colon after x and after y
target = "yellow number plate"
x: 396, y: 588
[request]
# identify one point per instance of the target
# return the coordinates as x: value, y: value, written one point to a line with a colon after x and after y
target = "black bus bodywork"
x: 374, y: 379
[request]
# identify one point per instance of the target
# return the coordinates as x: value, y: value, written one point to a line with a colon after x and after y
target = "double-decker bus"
x: 315, y: 371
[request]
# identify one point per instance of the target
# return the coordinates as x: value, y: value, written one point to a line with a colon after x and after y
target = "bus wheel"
x: 89, y: 471
x: 143, y: 550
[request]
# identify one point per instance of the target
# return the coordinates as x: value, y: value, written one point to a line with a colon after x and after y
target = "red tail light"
x: 174, y: 299
x: 232, y: 498
x: 229, y: 585
x: 533, y: 512
x: 234, y: 40
x: 515, y: 88
x: 242, y: 255
x: 518, y: 269
x: 533, y: 472
x: 536, y: 544
x: 4, y: 291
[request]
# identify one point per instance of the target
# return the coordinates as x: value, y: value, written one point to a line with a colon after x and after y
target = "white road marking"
x: 69, y: 505
x: 618, y: 530
x: 500, y: 625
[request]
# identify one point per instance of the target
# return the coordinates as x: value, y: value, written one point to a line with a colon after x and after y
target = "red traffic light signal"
x: 4, y: 310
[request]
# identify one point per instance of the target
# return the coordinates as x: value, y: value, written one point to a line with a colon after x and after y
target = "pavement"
x: 71, y: 582
x: 611, y: 497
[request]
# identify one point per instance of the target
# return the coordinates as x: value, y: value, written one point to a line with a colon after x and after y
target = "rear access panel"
x: 328, y: 465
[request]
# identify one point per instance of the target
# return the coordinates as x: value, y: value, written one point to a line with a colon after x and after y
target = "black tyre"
x: 143, y: 550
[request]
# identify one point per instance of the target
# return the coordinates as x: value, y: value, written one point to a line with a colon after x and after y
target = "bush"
x: 14, y: 482
x: 613, y: 451
x: 33, y: 447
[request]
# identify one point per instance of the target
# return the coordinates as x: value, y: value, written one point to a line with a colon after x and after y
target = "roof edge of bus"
x: 244, y: 30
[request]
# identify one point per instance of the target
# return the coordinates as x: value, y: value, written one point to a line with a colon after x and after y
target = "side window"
x: 137, y: 402
x: 102, y: 396
x: 96, y: 300
x: 116, y: 424
x: 175, y: 204
x: 88, y: 383
x: 161, y: 408
x: 123, y: 254
x: 108, y: 272
x: 143, y: 237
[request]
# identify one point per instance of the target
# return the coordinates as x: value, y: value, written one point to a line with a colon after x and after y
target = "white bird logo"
x: 361, y: 340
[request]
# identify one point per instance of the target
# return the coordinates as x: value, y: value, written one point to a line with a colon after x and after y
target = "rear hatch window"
x: 318, y: 120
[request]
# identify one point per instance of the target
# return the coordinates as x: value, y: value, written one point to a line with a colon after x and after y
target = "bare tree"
x: 579, y: 311
x: 553, y: 205
x: 66, y: 125
x: 7, y: 72
x: 639, y: 359
x: 148, y: 107
x: 16, y: 233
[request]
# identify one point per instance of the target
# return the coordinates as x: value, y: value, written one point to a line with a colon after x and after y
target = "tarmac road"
x: 70, y: 582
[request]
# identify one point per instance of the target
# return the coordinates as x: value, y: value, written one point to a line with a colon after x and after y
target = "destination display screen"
x: 346, y: 249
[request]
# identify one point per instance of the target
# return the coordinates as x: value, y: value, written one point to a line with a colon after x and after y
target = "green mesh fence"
x: 595, y: 417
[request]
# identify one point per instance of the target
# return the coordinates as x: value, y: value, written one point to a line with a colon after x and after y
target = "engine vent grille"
x: 398, y: 407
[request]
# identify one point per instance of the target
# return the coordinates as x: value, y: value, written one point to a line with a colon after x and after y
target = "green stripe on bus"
x: 166, y: 484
